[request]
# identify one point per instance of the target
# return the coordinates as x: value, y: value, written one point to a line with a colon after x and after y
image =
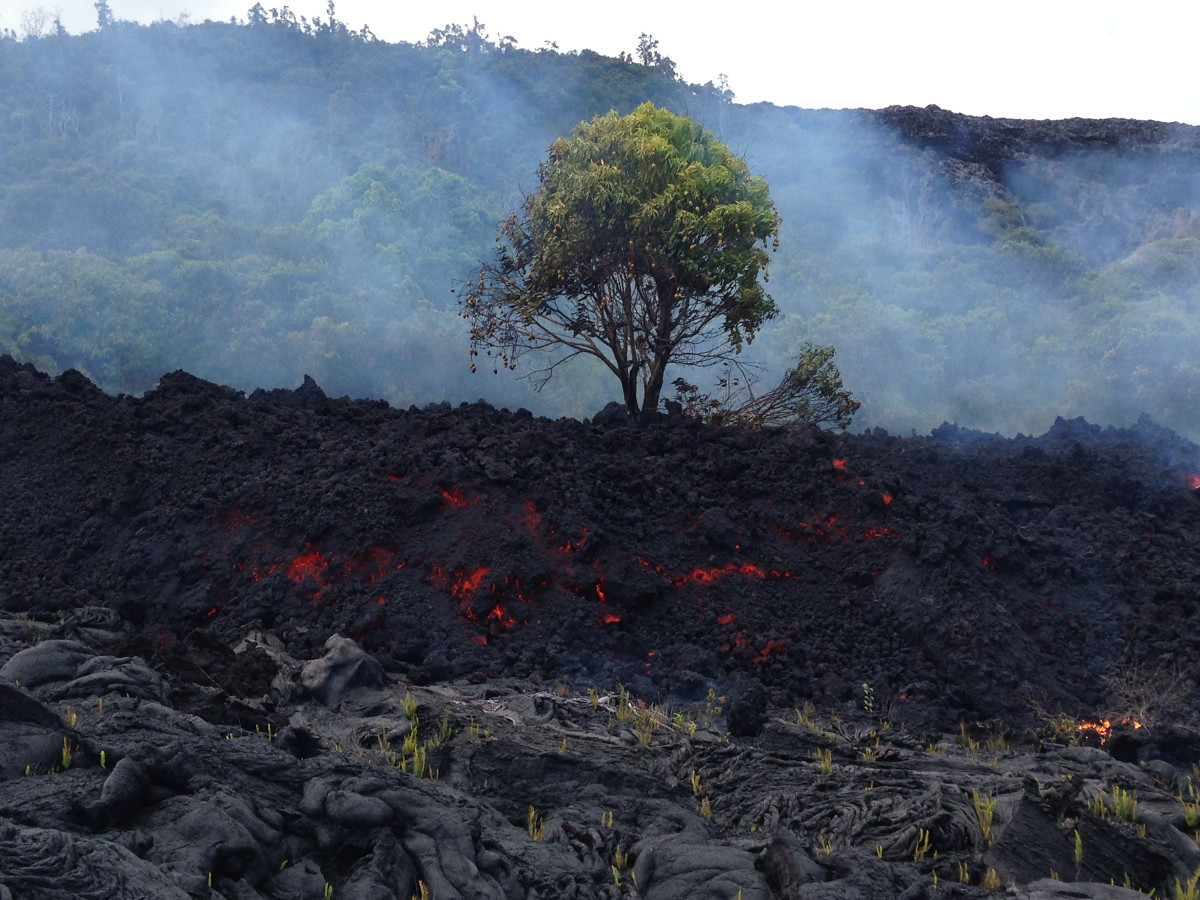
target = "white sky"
x: 1045, y: 59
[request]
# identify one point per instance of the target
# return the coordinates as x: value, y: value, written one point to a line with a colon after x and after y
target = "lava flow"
x: 312, y: 518
x: 1103, y: 727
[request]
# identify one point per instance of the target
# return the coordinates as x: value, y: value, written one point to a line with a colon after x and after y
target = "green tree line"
x: 256, y: 200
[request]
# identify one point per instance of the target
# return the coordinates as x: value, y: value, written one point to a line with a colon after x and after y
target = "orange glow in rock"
x: 454, y: 497
x: 707, y: 576
x: 877, y: 532
x: 771, y: 647
x: 459, y: 583
x: 308, y: 565
x: 1104, y: 726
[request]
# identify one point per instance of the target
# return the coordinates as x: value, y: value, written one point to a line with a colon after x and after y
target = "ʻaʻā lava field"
x: 629, y: 646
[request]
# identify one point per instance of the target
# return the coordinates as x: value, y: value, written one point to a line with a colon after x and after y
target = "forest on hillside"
x: 253, y: 201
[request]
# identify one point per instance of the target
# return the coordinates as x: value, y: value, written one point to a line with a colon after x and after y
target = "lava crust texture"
x: 240, y: 590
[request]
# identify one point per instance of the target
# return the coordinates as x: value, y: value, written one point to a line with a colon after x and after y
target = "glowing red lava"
x: 773, y: 646
x: 571, y: 546
x: 455, y: 497
x: 308, y: 565
x: 1104, y: 726
x: 460, y: 583
x: 877, y: 532
x: 707, y: 576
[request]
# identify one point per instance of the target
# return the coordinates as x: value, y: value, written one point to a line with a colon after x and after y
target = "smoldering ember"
x: 283, y: 645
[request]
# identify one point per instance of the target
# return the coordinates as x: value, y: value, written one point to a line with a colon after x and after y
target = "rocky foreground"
x: 289, y: 646
x: 123, y: 781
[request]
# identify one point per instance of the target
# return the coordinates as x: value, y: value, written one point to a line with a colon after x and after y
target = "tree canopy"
x: 255, y: 201
x: 642, y: 246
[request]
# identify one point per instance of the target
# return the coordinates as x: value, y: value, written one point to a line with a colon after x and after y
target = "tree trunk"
x: 629, y: 386
x: 661, y: 343
x: 653, y: 389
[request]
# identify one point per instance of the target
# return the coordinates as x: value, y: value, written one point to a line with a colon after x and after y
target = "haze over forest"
x: 253, y: 202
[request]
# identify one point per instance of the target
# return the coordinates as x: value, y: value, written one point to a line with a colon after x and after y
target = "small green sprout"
x: 620, y: 858
x: 965, y: 740
x: 1191, y: 808
x: 535, y: 825
x: 411, y: 740
x: 713, y: 706
x: 1190, y: 890
x: 924, y: 845
x: 985, y: 812
x: 824, y: 757
x: 1125, y: 804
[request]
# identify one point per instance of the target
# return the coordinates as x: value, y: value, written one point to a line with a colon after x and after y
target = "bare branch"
x: 810, y: 392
